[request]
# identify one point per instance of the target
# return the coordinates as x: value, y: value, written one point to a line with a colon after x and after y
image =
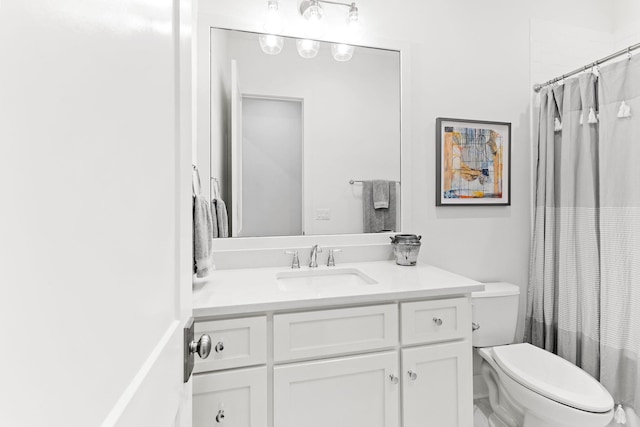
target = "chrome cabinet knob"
x: 202, y: 346
x: 437, y: 321
x: 412, y: 375
x: 475, y: 326
x: 394, y: 379
x: 220, y: 416
x: 219, y: 347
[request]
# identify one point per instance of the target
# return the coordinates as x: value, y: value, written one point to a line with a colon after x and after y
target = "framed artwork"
x: 473, y: 163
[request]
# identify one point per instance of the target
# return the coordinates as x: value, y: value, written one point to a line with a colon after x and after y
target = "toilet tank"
x: 494, y: 312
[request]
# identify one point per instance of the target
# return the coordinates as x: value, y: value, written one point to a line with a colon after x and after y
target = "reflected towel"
x: 214, y: 221
x: 378, y: 220
x: 202, y: 242
x: 380, y: 194
x: 222, y: 219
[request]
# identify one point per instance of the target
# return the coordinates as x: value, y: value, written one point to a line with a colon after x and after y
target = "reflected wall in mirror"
x: 289, y: 134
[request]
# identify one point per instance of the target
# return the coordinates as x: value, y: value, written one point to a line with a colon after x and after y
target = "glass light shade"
x: 342, y: 52
x: 273, y: 23
x: 314, y: 28
x: 312, y: 10
x: 271, y: 44
x: 354, y: 30
x: 308, y: 48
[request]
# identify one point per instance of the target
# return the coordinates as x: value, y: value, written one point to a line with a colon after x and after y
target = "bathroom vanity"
x: 361, y: 344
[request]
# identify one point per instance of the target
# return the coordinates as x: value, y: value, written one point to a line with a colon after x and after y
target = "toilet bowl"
x: 528, y: 386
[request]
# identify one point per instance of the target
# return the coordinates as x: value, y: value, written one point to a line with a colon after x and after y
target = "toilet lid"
x: 553, y: 377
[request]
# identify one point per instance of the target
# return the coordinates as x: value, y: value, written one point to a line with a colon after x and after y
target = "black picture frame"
x: 481, y: 174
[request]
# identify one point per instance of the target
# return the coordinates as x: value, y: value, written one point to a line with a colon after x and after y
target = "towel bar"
x: 353, y: 181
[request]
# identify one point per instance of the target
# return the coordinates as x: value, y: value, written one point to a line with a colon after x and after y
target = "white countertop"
x: 252, y: 290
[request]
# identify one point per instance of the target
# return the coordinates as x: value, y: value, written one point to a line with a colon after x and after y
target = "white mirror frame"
x: 202, y: 101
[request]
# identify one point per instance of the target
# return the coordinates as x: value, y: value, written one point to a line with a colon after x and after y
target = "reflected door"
x: 271, y: 167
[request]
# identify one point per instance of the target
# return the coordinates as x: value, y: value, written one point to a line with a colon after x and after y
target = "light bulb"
x: 271, y: 44
x: 308, y: 48
x: 342, y: 52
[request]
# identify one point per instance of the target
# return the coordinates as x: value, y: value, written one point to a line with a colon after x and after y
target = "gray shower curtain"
x: 620, y: 230
x: 584, y: 279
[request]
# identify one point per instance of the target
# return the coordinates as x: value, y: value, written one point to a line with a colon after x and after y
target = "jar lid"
x: 405, y: 238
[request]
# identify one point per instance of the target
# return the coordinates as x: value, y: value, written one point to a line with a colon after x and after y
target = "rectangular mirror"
x: 299, y: 138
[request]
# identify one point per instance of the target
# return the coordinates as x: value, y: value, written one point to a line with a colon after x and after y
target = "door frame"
x: 301, y: 101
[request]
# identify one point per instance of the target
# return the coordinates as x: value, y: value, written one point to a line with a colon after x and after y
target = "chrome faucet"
x: 313, y: 261
x: 295, y: 261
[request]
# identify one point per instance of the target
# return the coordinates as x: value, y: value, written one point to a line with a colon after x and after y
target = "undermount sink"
x: 330, y: 277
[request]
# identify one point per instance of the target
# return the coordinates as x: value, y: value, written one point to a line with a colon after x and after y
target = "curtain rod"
x: 628, y: 51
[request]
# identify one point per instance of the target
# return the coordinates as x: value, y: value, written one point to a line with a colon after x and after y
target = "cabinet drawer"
x: 237, y: 397
x: 438, y: 320
x: 243, y: 341
x: 334, y: 332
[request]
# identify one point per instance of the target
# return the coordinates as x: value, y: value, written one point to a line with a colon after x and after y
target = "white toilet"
x: 528, y: 386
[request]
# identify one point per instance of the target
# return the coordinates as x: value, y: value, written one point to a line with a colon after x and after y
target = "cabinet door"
x: 359, y: 391
x: 437, y: 385
x: 232, y: 399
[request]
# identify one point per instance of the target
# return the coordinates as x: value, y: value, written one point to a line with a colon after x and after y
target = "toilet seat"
x: 552, y: 377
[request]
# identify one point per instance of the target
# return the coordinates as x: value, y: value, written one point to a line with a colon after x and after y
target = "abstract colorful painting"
x: 472, y: 162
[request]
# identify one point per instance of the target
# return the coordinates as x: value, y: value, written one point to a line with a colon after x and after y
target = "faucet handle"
x: 295, y: 262
x: 331, y: 261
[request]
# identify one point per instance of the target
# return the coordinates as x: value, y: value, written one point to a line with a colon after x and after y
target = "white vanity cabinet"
x: 405, y: 364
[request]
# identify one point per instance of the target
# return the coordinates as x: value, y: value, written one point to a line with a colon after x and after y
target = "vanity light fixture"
x: 342, y: 52
x: 308, y: 48
x: 271, y: 44
x: 313, y: 12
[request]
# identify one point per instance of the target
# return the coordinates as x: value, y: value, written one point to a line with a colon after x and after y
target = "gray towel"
x: 378, y: 220
x: 381, y: 194
x: 221, y: 217
x: 202, y: 242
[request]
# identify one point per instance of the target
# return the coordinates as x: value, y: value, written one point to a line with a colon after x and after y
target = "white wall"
x: 626, y: 28
x: 469, y: 60
x: 351, y: 121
